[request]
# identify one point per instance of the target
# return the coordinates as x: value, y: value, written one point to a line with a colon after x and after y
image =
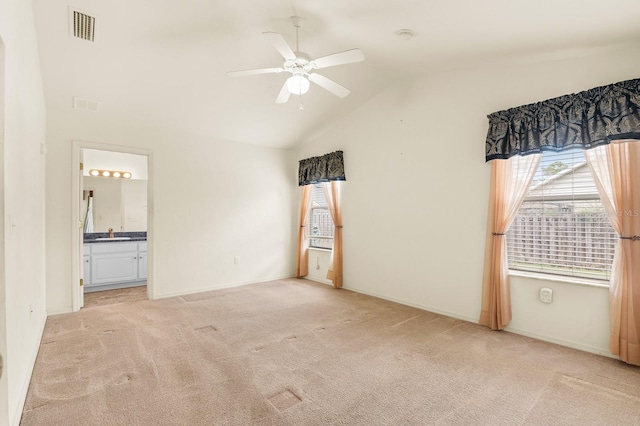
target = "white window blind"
x: 320, y: 225
x: 562, y: 227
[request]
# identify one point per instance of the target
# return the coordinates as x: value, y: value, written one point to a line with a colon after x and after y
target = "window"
x: 319, y: 225
x: 562, y: 227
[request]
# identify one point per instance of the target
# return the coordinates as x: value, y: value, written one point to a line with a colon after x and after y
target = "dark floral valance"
x: 321, y: 169
x: 581, y: 120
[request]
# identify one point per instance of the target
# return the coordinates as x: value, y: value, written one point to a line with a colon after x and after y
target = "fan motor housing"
x: 302, y: 62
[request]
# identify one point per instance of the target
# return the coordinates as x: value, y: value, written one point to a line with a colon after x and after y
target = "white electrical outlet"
x: 546, y: 295
x: 236, y: 260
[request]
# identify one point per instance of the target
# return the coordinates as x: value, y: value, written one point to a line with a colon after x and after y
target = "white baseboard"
x: 32, y: 363
x: 319, y: 280
x: 563, y: 342
x: 217, y: 287
x: 413, y: 305
x: 325, y: 282
x: 60, y: 311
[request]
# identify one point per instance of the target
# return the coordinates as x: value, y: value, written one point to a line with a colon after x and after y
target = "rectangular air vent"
x: 82, y: 25
x: 86, y: 104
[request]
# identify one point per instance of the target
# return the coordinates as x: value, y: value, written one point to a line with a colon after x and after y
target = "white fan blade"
x: 280, y: 44
x: 329, y: 85
x: 284, y: 94
x: 244, y: 73
x: 346, y: 57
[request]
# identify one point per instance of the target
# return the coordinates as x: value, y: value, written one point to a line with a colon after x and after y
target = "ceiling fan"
x: 301, y: 66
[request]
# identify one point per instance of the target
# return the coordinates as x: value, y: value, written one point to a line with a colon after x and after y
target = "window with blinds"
x: 562, y: 227
x: 319, y: 225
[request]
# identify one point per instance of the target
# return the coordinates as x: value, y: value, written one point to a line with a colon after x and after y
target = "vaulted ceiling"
x: 163, y: 63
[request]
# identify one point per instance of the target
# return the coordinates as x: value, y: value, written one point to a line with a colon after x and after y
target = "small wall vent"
x: 86, y: 104
x: 82, y: 25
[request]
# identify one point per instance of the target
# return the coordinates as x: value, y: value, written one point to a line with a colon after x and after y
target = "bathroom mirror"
x: 120, y: 204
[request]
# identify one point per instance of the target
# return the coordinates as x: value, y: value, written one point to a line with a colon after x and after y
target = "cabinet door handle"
x: 134, y: 257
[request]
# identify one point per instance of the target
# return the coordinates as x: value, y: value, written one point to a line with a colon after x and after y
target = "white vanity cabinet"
x: 142, y: 260
x: 114, y: 262
x: 87, y: 265
x: 115, y: 265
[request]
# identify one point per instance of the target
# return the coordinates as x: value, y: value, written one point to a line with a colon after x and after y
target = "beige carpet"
x: 292, y: 352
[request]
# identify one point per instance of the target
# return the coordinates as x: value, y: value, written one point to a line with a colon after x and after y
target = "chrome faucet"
x: 110, y: 232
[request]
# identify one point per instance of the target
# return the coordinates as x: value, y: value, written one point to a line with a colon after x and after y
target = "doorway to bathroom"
x: 112, y: 254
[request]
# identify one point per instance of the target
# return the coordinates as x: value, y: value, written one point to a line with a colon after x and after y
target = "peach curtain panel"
x: 333, y: 194
x: 510, y: 180
x: 302, y: 261
x: 616, y: 171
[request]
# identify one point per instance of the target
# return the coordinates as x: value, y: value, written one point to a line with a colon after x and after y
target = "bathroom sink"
x: 114, y: 239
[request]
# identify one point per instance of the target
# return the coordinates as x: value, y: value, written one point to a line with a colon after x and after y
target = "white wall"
x: 212, y: 201
x: 415, y: 200
x: 22, y: 286
x: 318, y: 266
x: 578, y: 316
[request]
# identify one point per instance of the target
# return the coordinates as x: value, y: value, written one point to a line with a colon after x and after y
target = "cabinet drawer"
x: 86, y: 248
x: 142, y: 246
x: 114, y: 247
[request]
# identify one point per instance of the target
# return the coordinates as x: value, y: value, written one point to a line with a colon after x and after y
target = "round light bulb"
x: 297, y: 85
x: 126, y: 175
x: 94, y: 173
x: 106, y: 174
x: 116, y: 174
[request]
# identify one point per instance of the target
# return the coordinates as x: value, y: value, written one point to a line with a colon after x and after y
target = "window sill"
x: 559, y: 278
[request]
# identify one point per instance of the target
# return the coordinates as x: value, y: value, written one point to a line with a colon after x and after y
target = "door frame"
x: 76, y: 221
x: 5, y: 231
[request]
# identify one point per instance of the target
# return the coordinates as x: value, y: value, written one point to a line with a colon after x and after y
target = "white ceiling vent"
x: 86, y: 104
x: 81, y: 25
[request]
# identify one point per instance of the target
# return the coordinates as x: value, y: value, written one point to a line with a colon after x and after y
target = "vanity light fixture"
x: 110, y: 173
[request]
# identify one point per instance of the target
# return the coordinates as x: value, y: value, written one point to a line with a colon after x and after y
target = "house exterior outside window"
x: 562, y: 227
x: 320, y: 224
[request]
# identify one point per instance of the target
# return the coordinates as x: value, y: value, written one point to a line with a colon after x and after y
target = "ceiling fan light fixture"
x: 302, y: 67
x: 297, y: 85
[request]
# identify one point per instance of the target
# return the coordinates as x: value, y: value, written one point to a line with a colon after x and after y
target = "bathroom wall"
x: 134, y: 205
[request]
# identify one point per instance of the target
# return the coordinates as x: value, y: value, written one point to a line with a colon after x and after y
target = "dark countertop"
x: 90, y: 238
